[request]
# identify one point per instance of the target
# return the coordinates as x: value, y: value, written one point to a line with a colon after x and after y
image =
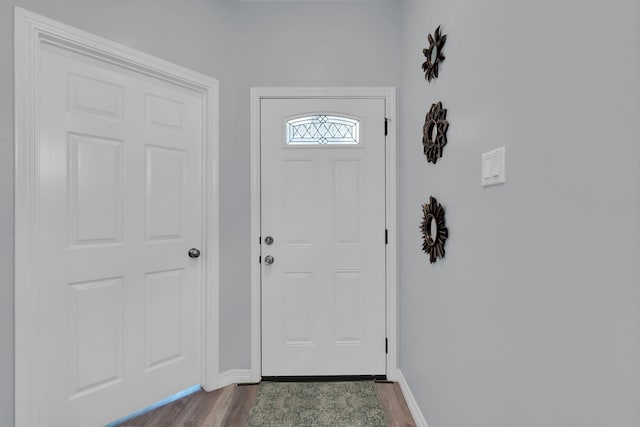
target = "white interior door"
x: 323, y: 236
x: 119, y: 308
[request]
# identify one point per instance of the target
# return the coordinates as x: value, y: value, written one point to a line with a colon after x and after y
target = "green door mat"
x: 302, y: 404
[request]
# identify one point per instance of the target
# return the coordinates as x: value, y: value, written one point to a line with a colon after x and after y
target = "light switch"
x: 493, y: 167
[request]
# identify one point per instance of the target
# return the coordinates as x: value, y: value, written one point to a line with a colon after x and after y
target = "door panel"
x: 95, y: 309
x: 95, y: 221
x: 164, y: 193
x: 323, y: 297
x: 163, y: 317
x: 120, y: 192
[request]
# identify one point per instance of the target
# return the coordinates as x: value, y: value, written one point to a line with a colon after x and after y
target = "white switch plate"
x: 493, y: 167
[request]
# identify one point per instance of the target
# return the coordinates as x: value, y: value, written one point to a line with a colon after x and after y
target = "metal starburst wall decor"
x: 433, y: 54
x: 434, y: 132
x: 434, y: 229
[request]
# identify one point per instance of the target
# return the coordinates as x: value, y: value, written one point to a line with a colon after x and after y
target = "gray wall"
x: 532, y: 318
x: 243, y: 44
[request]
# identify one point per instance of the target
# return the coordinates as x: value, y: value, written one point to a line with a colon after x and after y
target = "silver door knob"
x: 194, y: 253
x: 268, y: 240
x: 268, y: 260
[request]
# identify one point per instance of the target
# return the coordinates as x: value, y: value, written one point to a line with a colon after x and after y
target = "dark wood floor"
x: 230, y: 407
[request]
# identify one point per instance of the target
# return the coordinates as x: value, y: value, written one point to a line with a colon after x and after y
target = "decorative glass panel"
x: 321, y: 129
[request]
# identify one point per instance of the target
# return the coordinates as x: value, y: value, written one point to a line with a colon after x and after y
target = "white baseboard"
x: 411, y: 401
x: 234, y: 376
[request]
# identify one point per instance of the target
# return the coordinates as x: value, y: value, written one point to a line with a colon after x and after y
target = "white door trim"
x: 389, y: 95
x: 31, y: 32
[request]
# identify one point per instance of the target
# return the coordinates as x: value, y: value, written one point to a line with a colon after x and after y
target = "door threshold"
x: 325, y: 378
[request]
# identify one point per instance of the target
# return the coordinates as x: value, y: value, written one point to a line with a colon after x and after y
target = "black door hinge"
x: 260, y: 259
x: 259, y: 240
x: 386, y: 127
x: 386, y: 346
x: 386, y: 237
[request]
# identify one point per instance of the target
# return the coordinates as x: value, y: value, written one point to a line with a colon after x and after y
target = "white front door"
x: 323, y: 236
x: 119, y: 309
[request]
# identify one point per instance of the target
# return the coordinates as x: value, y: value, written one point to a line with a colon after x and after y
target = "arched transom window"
x: 324, y: 130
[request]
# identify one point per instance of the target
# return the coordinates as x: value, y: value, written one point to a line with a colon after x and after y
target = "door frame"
x: 31, y: 32
x: 388, y: 94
